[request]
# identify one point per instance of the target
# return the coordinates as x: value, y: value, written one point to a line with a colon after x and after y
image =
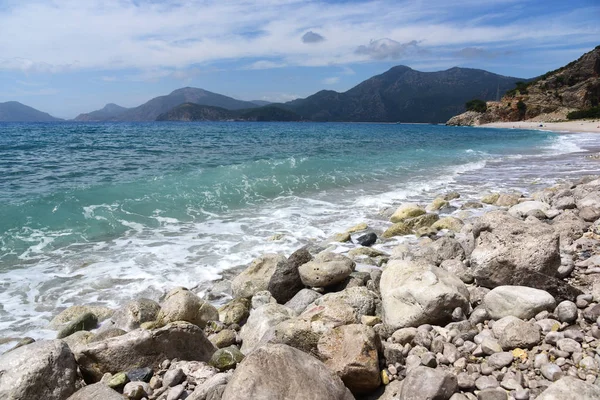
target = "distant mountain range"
x: 398, y: 95
x: 13, y: 111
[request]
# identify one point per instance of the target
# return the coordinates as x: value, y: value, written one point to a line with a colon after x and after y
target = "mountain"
x: 109, y: 111
x: 260, y: 103
x: 194, y: 112
x: 568, y: 92
x: 13, y: 111
x: 404, y: 95
x: 150, y: 110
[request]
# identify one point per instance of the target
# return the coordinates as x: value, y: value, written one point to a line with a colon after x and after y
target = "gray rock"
x: 551, y: 371
x: 202, y: 391
x: 351, y: 351
x: 44, y: 370
x: 235, y: 312
x: 302, y: 300
x: 519, y: 301
x: 176, y: 392
x: 500, y: 360
x: 505, y: 245
x: 137, y: 390
x: 84, y: 322
x: 261, y: 298
x: 179, y: 340
x: 326, y: 269
x: 173, y: 377
x: 520, y: 334
x: 361, y: 299
x: 285, y: 281
x: 566, y: 311
x: 282, y: 372
x: 459, y: 269
x: 260, y: 321
x: 97, y: 391
x: 486, y: 382
x: 569, y: 388
x: 135, y: 313
x: 106, y: 334
x: 72, y: 313
x: 568, y: 345
x: 414, y: 294
x: 427, y: 383
x: 490, y: 346
x: 257, y: 276
x: 183, y: 305
x: 527, y: 207
x: 492, y: 394
x: 226, y: 358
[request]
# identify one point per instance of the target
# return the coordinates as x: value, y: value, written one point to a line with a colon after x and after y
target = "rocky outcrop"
x: 41, y: 370
x: 282, y: 372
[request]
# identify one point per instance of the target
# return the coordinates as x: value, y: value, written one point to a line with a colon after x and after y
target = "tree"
x: 476, y: 105
x: 522, y: 107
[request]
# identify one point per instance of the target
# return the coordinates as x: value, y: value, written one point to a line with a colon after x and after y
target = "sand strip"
x: 592, y: 126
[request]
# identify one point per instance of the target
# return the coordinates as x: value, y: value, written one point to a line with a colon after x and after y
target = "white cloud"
x: 331, y: 81
x: 157, y: 38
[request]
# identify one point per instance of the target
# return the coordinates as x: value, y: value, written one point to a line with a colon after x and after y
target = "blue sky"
x: 66, y: 57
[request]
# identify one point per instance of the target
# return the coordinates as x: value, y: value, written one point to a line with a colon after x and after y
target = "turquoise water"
x: 101, y: 213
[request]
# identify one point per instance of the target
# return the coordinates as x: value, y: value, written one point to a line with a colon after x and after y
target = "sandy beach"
x: 568, y: 126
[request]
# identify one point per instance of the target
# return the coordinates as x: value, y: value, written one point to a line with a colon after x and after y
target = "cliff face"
x: 550, y: 97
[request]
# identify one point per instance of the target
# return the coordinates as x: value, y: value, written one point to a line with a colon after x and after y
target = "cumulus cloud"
x: 312, y: 37
x: 386, y: 49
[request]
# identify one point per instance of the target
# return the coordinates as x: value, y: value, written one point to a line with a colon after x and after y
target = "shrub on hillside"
x: 476, y: 105
x: 593, y: 112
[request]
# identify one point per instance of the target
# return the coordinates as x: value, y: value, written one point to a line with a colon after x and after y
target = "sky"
x: 67, y: 57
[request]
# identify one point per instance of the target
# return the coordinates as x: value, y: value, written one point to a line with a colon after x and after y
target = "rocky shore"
x: 499, y: 304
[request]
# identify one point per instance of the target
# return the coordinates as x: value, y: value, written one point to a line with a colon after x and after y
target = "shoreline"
x: 585, y: 126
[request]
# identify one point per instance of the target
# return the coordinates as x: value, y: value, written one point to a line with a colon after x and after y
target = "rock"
x: 137, y: 390
x: 414, y: 294
x: 106, y: 334
x: 589, y: 214
x: 552, y: 372
x: 450, y: 223
x: 490, y: 346
x: 44, y: 369
x: 361, y: 299
x: 519, y: 301
x: 471, y: 205
x: 423, y: 383
x: 260, y: 321
x: 506, y: 245
x: 227, y: 358
x: 173, y: 377
x: 437, y: 204
x: 351, y: 351
x: 176, y: 392
x: 341, y: 237
x: 569, y: 388
x: 118, y: 381
x: 135, y: 313
x: 257, y: 276
x: 500, y: 360
x: 235, y: 312
x: 486, y: 382
x: 358, y: 228
x: 140, y: 374
x: 492, y: 394
x: 368, y: 239
x: 406, y: 211
x: 326, y: 269
x: 180, y: 340
x: 328, y: 315
x: 507, y: 200
x: 519, y: 334
x: 202, y: 391
x: 565, y: 203
x: 83, y: 322
x: 79, y: 338
x: 183, y: 305
x: 294, y: 332
x: 459, y: 269
x: 97, y: 391
x: 422, y: 221
x: 566, y: 311
x: 568, y: 345
x: 302, y: 299
x: 558, y: 288
x: 392, y: 391
x: 285, y: 281
x: 438, y: 251
x: 74, y: 312
x: 282, y: 372
x: 224, y: 338
x: 490, y: 198
x: 524, y: 209
x: 397, y: 229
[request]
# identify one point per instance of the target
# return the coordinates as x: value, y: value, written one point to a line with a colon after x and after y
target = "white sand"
x: 569, y: 126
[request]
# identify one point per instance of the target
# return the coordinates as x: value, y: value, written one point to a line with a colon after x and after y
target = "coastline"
x: 586, y: 126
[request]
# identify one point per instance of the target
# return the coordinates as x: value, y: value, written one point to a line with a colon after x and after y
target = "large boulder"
x: 256, y: 277
x: 134, y: 313
x: 570, y: 388
x: 520, y: 301
x: 302, y: 300
x: 329, y: 314
x: 285, y: 281
x: 417, y: 293
x: 361, y: 299
x: 282, y: 372
x: 260, y: 321
x: 505, y: 245
x: 351, y: 351
x: 235, y: 312
x: 406, y: 211
x: 183, y: 305
x: 41, y: 370
x: 96, y: 391
x: 181, y: 340
x: 423, y: 383
x: 525, y: 208
x: 326, y: 269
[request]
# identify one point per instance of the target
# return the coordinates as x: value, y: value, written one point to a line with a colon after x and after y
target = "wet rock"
x: 368, y: 239
x: 285, y: 281
x: 519, y: 301
x: 84, y: 322
x: 414, y: 294
x: 406, y: 211
x: 450, y: 223
x: 135, y: 313
x: 182, y: 305
x: 397, y: 229
x: 326, y: 269
x: 74, y: 312
x: 44, y: 369
x: 280, y: 371
x: 257, y: 276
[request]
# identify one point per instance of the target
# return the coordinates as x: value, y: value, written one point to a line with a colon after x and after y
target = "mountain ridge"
x: 13, y: 111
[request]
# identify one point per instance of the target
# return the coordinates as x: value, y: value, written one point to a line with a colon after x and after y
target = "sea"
x: 102, y: 213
